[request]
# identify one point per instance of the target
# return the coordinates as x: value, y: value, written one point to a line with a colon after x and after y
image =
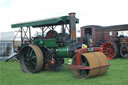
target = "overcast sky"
x: 90, y: 12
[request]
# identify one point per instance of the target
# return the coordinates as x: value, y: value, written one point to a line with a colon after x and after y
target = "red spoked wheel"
x: 110, y: 49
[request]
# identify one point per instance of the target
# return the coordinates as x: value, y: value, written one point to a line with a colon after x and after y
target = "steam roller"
x: 49, y: 51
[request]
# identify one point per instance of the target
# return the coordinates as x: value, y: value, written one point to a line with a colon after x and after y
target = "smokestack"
x: 72, y: 25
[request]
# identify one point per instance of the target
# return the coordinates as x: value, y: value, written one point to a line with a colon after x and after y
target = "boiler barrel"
x: 66, y: 52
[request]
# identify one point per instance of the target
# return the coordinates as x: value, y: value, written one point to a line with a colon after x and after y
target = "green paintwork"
x: 63, y: 52
x: 50, y: 43
x: 22, y: 45
x: 47, y: 22
x: 41, y: 43
x: 36, y: 41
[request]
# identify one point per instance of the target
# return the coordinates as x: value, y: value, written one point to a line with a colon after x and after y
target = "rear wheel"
x: 124, y: 51
x: 31, y: 59
x: 110, y: 49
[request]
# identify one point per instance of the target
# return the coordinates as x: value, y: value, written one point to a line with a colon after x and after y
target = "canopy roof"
x: 115, y: 27
x: 47, y: 22
x: 108, y: 28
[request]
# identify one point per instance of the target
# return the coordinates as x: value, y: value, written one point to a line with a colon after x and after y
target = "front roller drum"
x: 92, y: 64
x: 31, y: 59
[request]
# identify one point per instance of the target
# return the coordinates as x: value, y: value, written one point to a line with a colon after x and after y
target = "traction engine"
x: 113, y: 45
x: 48, y: 50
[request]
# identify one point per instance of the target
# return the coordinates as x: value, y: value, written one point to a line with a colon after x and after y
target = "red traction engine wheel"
x: 110, y: 49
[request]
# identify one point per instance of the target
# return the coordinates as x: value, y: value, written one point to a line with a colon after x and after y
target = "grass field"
x: 11, y: 74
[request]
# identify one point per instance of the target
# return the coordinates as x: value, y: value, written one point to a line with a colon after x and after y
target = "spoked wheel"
x: 31, y: 59
x: 81, y: 73
x: 110, y: 49
x: 96, y: 62
x: 124, y: 51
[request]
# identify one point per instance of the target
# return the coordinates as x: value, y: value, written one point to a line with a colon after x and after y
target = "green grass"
x: 11, y: 74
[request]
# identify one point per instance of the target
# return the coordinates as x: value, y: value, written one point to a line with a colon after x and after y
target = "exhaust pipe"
x: 72, y: 25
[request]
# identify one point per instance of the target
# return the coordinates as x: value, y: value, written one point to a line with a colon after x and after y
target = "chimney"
x: 72, y: 25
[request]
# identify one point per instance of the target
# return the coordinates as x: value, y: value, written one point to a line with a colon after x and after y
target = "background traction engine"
x: 48, y: 51
x: 111, y: 38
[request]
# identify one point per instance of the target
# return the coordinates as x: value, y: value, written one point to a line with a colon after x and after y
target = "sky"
x: 89, y: 12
